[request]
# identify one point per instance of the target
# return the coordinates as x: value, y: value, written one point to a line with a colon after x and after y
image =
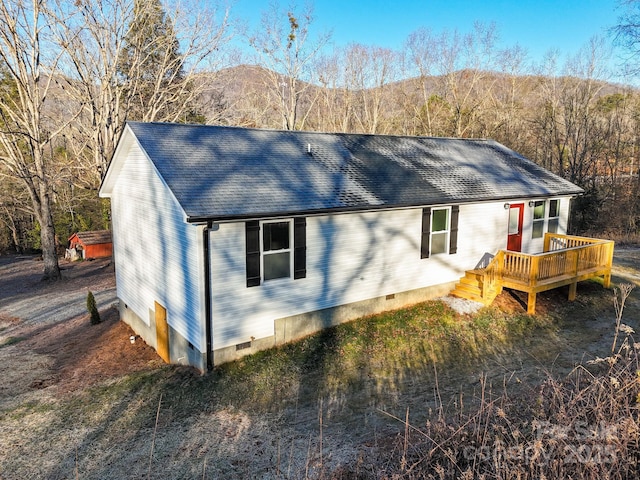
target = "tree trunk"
x: 48, y: 238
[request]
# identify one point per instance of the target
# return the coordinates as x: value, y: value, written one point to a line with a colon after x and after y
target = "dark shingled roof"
x: 218, y: 172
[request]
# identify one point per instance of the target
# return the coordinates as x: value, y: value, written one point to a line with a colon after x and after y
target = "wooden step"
x: 470, y: 287
x: 475, y: 275
x: 471, y: 282
x: 468, y: 296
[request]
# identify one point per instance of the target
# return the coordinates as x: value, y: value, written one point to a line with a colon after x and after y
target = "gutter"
x: 210, y: 219
x: 207, y: 296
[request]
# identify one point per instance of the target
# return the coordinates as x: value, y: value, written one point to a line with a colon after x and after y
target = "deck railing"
x: 566, y: 260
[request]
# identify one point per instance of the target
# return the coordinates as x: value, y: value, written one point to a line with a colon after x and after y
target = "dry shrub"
x: 584, y: 426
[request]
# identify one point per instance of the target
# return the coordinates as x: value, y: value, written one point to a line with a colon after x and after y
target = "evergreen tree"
x: 151, y: 65
x: 92, y: 308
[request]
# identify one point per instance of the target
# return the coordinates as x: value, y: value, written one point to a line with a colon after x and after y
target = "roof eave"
x: 199, y: 219
x: 115, y: 165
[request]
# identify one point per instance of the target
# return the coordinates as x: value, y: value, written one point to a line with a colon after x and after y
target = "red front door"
x: 514, y: 240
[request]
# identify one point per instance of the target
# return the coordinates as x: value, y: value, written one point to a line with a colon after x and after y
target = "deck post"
x: 573, y: 288
x: 534, y: 269
x: 607, y: 277
x: 531, y: 303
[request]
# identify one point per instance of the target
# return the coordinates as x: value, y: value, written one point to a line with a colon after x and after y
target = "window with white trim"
x: 276, y: 250
x: 554, y: 216
x: 439, y: 231
x: 538, y: 219
x: 440, y: 228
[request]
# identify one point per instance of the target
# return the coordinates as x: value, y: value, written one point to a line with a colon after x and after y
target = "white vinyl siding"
x: 158, y: 256
x: 350, y: 257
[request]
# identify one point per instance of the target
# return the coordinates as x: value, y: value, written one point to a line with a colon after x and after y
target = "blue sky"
x: 537, y: 26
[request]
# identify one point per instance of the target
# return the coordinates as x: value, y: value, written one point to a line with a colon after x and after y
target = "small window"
x: 439, y: 230
x: 538, y: 219
x: 276, y: 251
x: 514, y: 221
x: 554, y: 216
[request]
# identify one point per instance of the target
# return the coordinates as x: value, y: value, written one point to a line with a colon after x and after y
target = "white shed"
x: 230, y: 240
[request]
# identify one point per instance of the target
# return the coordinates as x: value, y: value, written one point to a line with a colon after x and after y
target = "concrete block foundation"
x: 293, y: 328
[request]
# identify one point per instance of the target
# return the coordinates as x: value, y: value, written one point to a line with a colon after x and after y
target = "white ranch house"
x: 231, y: 240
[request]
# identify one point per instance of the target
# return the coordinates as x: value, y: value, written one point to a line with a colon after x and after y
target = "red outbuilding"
x: 94, y: 244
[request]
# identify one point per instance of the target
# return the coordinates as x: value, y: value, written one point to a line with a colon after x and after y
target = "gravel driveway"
x: 24, y: 296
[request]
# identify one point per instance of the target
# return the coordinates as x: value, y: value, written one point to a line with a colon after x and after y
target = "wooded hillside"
x: 70, y: 79
x: 582, y: 129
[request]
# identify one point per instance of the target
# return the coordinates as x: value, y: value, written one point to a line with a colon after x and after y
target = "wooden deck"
x: 566, y: 260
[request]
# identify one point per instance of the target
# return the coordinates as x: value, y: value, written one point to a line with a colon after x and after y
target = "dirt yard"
x: 54, y: 344
x: 50, y: 355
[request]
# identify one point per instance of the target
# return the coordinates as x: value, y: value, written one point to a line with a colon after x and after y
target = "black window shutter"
x: 426, y: 230
x: 252, y: 230
x: 453, y: 237
x: 299, y: 248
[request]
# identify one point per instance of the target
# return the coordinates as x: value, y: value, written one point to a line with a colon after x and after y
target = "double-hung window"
x: 554, y: 216
x: 275, y: 249
x: 541, y: 215
x: 439, y: 231
x: 538, y: 219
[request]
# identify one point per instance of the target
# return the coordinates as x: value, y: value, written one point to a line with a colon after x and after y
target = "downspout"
x: 207, y: 295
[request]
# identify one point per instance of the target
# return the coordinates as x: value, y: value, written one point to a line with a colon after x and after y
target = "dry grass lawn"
x: 81, y: 401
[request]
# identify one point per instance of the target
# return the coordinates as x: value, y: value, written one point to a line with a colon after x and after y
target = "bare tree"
x: 95, y: 40
x: 369, y: 70
x: 627, y: 34
x: 463, y: 65
x: 16, y: 214
x: 285, y: 48
x: 504, y: 118
x: 341, y: 95
x: 571, y: 136
x: 615, y: 121
x: 26, y: 131
x: 420, y: 49
x: 582, y: 139
x: 544, y: 116
x: 330, y: 115
x: 92, y: 40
